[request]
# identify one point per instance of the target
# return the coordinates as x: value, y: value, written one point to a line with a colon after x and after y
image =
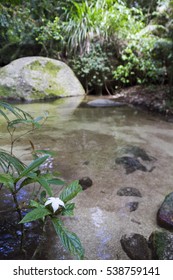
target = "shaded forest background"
x: 109, y: 44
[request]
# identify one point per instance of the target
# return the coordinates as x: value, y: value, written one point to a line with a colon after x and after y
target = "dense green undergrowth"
x: 108, y: 43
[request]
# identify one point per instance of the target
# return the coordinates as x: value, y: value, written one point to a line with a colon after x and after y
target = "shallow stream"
x: 87, y: 141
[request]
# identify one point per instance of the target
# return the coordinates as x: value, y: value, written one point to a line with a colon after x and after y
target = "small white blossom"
x: 55, y: 202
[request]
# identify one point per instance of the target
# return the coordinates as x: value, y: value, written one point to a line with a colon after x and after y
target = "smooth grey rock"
x: 35, y: 78
x: 105, y: 103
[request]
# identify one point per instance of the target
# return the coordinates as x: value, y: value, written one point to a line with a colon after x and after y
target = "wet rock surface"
x: 131, y: 164
x: 85, y: 182
x: 136, y: 246
x: 161, y: 244
x: 165, y: 212
x: 135, y: 158
x: 105, y: 103
x: 137, y: 152
x: 132, y: 205
x: 129, y: 191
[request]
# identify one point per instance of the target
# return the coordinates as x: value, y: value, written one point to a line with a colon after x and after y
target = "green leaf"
x: 15, y: 110
x: 43, y: 182
x: 8, y: 161
x: 35, y: 164
x: 68, y: 210
x: 4, y: 115
x: 35, y: 214
x: 26, y: 182
x: 7, y: 180
x: 70, y: 191
x: 56, y: 181
x: 16, y: 122
x: 43, y: 196
x: 34, y: 204
x: 69, y: 239
x: 51, y: 153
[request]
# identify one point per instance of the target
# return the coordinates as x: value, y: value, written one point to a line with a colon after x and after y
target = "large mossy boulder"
x: 35, y: 78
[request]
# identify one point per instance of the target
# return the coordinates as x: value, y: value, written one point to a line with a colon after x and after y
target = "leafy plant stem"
x: 18, y: 210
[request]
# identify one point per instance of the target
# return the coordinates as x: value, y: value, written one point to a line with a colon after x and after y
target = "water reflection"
x: 87, y: 141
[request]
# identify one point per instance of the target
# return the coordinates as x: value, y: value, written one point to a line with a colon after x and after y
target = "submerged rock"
x: 136, y: 246
x: 85, y: 183
x: 105, y: 103
x: 128, y: 191
x: 161, y: 244
x: 135, y: 158
x: 131, y: 164
x: 165, y: 212
x: 35, y: 78
x: 137, y: 152
x: 132, y: 205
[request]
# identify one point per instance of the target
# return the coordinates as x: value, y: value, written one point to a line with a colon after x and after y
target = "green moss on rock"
x: 5, y: 91
x: 34, y: 78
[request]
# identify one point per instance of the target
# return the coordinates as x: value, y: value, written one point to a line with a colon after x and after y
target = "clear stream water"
x: 87, y: 141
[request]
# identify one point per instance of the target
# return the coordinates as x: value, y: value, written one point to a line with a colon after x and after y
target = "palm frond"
x: 6, y: 108
x: 9, y: 163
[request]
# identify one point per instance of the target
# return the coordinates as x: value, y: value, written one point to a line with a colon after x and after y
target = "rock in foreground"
x: 165, y: 212
x: 85, y: 183
x: 161, y: 244
x: 136, y: 246
x: 35, y: 78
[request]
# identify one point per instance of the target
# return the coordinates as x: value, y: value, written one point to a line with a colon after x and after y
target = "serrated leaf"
x: 34, y: 203
x: 68, y: 210
x: 35, y: 214
x: 69, y: 239
x: 70, y: 191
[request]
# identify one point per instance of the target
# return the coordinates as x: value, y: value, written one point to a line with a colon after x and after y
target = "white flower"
x: 55, y: 202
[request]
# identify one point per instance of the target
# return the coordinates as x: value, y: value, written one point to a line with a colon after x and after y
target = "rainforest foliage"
x: 108, y: 43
